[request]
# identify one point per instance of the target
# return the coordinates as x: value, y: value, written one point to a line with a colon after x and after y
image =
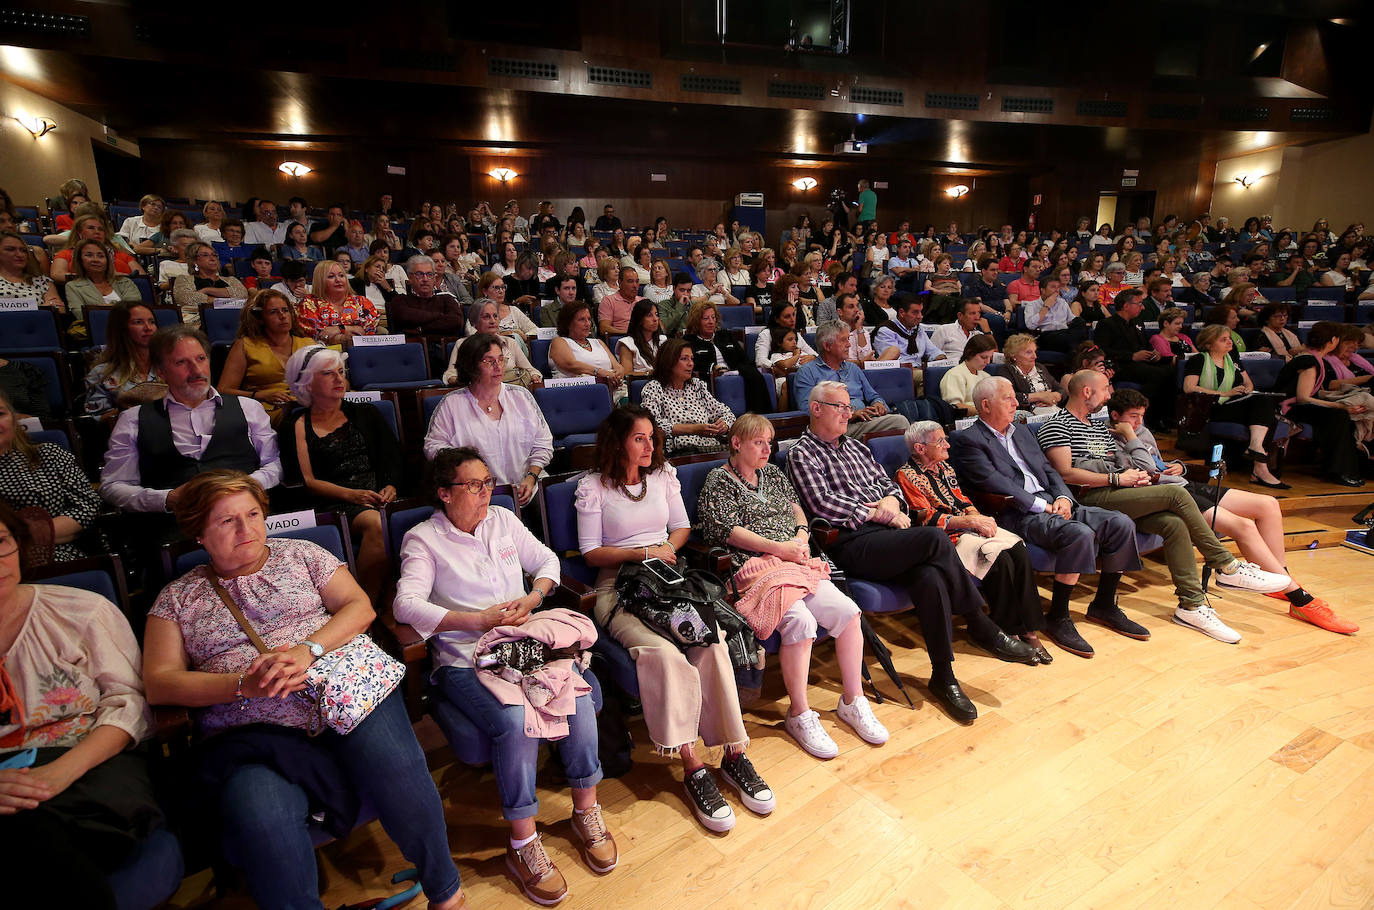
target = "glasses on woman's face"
x: 490, y: 362
x: 8, y: 546
x: 475, y: 487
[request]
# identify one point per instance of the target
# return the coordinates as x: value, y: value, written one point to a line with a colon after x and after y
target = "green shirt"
x: 672, y: 316
x: 868, y: 205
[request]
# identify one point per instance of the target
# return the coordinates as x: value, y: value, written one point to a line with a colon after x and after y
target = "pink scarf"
x: 770, y: 585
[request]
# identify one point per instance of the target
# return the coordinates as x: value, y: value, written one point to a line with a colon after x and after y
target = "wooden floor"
x: 1176, y: 773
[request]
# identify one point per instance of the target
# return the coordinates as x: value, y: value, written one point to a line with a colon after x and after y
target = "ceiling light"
x: 502, y: 173
x: 804, y: 183
x: 294, y: 168
x: 1259, y: 50
x: 1246, y: 181
x: 39, y: 126
x: 958, y: 191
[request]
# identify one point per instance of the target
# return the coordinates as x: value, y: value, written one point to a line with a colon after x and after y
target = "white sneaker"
x: 859, y: 715
x: 1205, y: 620
x: 806, y: 729
x: 1252, y: 578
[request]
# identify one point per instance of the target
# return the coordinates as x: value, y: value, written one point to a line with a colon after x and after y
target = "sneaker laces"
x: 593, y: 824
x: 742, y: 770
x: 535, y: 857
x: 809, y: 722
x: 705, y: 791
x: 1317, y: 608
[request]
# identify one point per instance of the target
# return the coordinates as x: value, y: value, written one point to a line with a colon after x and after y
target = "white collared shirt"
x: 444, y: 569
x: 521, y: 439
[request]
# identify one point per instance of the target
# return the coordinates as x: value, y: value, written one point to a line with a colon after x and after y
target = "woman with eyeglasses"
x: 332, y: 313
x: 77, y: 808
x: 510, y: 321
x: 203, y: 283
x: 344, y: 453
x: 517, y: 369
x: 463, y: 575
x: 630, y: 510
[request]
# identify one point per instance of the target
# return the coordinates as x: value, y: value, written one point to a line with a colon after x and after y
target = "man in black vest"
x: 157, y: 447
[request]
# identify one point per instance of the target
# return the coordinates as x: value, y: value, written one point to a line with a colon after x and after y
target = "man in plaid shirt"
x: 838, y: 480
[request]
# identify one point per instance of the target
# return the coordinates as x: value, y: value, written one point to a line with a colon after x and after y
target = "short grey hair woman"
x: 303, y: 366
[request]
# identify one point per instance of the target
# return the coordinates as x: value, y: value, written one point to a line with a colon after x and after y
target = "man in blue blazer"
x: 995, y: 456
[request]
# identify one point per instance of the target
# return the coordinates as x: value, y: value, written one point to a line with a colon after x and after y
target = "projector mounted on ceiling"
x: 852, y: 146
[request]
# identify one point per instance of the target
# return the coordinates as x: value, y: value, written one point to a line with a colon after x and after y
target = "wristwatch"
x: 316, y: 650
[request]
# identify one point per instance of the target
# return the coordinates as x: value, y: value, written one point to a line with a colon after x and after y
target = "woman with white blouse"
x: 208, y: 230
x: 660, y: 284
x: 630, y: 510
x: 499, y: 420
x: 519, y: 371
x: 639, y: 349
x: 462, y: 575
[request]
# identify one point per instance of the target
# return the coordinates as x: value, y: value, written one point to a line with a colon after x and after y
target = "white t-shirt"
x: 135, y: 230
x: 599, y: 356
x: 256, y: 233
x: 208, y: 234
x: 640, y: 364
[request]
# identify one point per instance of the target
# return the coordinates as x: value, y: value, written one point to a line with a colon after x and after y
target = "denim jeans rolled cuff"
x: 515, y: 756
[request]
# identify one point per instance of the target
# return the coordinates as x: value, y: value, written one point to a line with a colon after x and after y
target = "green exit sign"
x: 112, y: 140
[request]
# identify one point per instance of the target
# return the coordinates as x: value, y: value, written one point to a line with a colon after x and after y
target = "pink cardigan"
x: 770, y: 585
x: 550, y: 693
x: 1161, y: 344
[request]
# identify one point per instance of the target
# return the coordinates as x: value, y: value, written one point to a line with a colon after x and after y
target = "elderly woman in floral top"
x: 993, y: 554
x: 72, y: 812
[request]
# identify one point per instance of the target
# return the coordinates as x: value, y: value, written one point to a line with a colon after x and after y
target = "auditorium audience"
x: 1213, y: 372
x: 576, y: 352
x: 518, y: 369
x: 997, y: 557
x: 45, y: 476
x: 331, y: 313
x: 1275, y: 337
x: 124, y: 374
x: 997, y: 457
x: 501, y: 421
x: 691, y: 419
x: 203, y: 284
x: 685, y: 695
x: 953, y: 337
x: 956, y: 386
x: 263, y: 773
x: 344, y: 453
x: 1253, y: 520
x: 749, y: 507
x: 76, y: 797
x: 1303, y: 384
x: 639, y: 348
x: 838, y: 481
x: 717, y: 350
x: 1037, y: 391
x: 255, y: 366
x: 449, y: 594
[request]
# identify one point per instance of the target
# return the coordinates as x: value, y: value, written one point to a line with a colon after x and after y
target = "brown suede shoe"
x: 536, y: 874
x: 596, y: 843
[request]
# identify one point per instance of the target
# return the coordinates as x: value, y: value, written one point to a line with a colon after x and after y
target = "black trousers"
x: 1013, y: 599
x: 1333, y: 434
x: 923, y: 561
x: 1257, y: 410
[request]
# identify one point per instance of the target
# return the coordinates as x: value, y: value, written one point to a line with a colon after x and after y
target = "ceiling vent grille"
x: 1174, y: 111
x: 950, y: 102
x: 609, y: 75
x: 802, y: 91
x: 1102, y: 109
x: 716, y: 85
x: 863, y: 94
x: 522, y: 69
x: 1243, y: 113
x: 1312, y: 114
x: 1012, y: 105
x: 39, y: 23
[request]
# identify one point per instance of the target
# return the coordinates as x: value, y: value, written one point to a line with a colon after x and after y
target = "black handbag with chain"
x: 683, y: 613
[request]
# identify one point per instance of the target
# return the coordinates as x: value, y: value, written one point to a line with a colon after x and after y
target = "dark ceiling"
x: 333, y: 81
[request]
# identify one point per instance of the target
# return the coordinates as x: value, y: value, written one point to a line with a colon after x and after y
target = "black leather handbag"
x: 683, y: 613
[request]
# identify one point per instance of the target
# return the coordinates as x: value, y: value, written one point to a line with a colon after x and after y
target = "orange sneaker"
x: 1319, y: 614
x: 1278, y: 595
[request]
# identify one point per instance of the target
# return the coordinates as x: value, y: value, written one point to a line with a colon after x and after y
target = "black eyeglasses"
x: 475, y: 487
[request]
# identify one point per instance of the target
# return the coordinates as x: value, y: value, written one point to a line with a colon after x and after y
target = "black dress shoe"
x: 1001, y: 645
x: 954, y: 701
x: 1280, y: 485
x: 1041, y: 655
x: 1348, y: 480
x: 1113, y: 618
x: 1064, y: 634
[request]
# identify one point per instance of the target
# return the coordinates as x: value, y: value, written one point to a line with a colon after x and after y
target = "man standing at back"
x: 867, y: 205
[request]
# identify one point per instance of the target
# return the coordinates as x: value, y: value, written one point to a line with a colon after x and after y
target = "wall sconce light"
x: 39, y: 126
x: 958, y: 192
x: 294, y: 168
x: 1246, y: 181
x: 502, y: 173
x: 804, y: 183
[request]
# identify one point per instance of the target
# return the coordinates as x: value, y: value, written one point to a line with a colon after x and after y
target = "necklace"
x: 644, y: 490
x: 753, y: 489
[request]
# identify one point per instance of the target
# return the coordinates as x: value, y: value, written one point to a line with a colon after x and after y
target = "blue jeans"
x: 265, y: 817
x: 515, y: 756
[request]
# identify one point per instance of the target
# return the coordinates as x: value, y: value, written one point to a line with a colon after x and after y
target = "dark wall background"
x: 697, y: 192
